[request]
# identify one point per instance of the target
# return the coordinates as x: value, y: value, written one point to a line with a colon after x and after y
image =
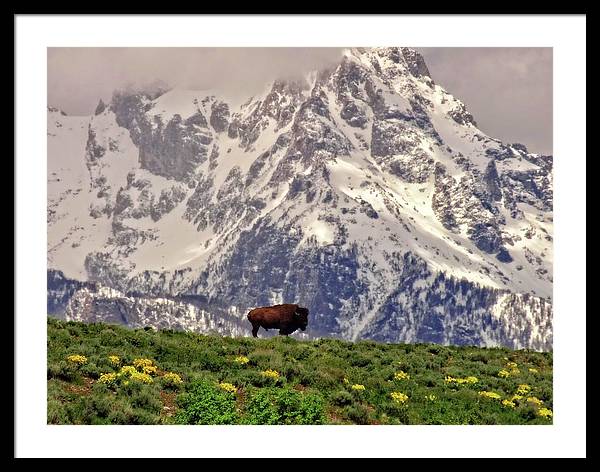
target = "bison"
x: 287, y: 318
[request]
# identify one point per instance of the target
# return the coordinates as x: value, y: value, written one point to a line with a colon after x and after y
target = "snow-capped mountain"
x: 365, y: 192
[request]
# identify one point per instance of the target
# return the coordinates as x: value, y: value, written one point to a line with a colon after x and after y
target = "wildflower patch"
x: 461, y: 381
x: 242, y: 360
x: 545, y: 413
x: 109, y: 378
x: 401, y: 375
x: 534, y: 400
x: 399, y: 397
x: 492, y: 395
x: 141, y: 377
x: 140, y: 364
x: 269, y: 373
x: 77, y: 359
x: 228, y: 387
x: 171, y: 378
x: 504, y: 374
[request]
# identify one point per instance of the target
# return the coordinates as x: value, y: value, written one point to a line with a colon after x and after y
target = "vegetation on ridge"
x: 106, y: 374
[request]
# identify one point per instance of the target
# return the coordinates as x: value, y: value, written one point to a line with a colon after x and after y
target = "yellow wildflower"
x: 241, y: 360
x: 516, y: 397
x: 273, y: 374
x: 141, y: 363
x: 358, y: 387
x: 536, y: 401
x: 460, y: 381
x: 533, y: 370
x: 503, y: 373
x: 545, y: 413
x: 399, y: 397
x: 108, y: 379
x: 401, y: 375
x: 491, y: 395
x: 127, y: 370
x: 114, y: 360
x: 523, y: 389
x: 172, y: 378
x: 141, y: 377
x: 77, y: 359
x: 149, y: 369
x: 346, y: 381
x: 508, y: 403
x: 511, y: 365
x: 431, y: 398
x: 228, y: 387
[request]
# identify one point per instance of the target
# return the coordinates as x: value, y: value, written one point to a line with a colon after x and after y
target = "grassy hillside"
x: 105, y: 374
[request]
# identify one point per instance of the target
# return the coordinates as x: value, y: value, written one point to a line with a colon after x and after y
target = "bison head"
x: 301, y: 317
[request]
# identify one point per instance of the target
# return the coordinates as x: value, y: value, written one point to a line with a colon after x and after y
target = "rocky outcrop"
x: 219, y: 116
x: 173, y: 149
x: 100, y: 107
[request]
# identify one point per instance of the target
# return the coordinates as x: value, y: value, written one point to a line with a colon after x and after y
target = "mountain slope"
x: 365, y: 192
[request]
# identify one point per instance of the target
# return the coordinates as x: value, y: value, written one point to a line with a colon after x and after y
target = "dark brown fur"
x: 286, y: 318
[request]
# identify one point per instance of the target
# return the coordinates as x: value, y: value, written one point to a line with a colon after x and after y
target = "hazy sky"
x: 508, y: 90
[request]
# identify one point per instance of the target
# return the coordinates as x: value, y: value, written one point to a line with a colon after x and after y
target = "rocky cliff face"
x: 366, y: 193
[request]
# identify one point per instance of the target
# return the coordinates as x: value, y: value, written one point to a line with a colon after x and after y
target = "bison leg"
x: 255, y: 330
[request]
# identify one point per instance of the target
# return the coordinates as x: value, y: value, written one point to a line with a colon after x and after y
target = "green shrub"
x: 140, y: 416
x: 91, y: 370
x: 147, y: 398
x: 97, y: 406
x: 211, y: 361
x: 302, y: 353
x: 245, y: 378
x: 56, y: 413
x: 63, y: 370
x: 260, y: 409
x: 312, y: 410
x: 205, y: 403
x: 121, y: 416
x: 342, y: 398
x: 357, y: 414
x: 400, y: 412
x: 321, y: 379
x: 284, y: 406
x: 357, y: 359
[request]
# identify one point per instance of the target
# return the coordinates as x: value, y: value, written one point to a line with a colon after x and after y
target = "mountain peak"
x: 406, y: 58
x: 367, y: 192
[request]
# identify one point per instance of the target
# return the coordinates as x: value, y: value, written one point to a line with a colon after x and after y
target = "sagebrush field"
x: 106, y: 374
